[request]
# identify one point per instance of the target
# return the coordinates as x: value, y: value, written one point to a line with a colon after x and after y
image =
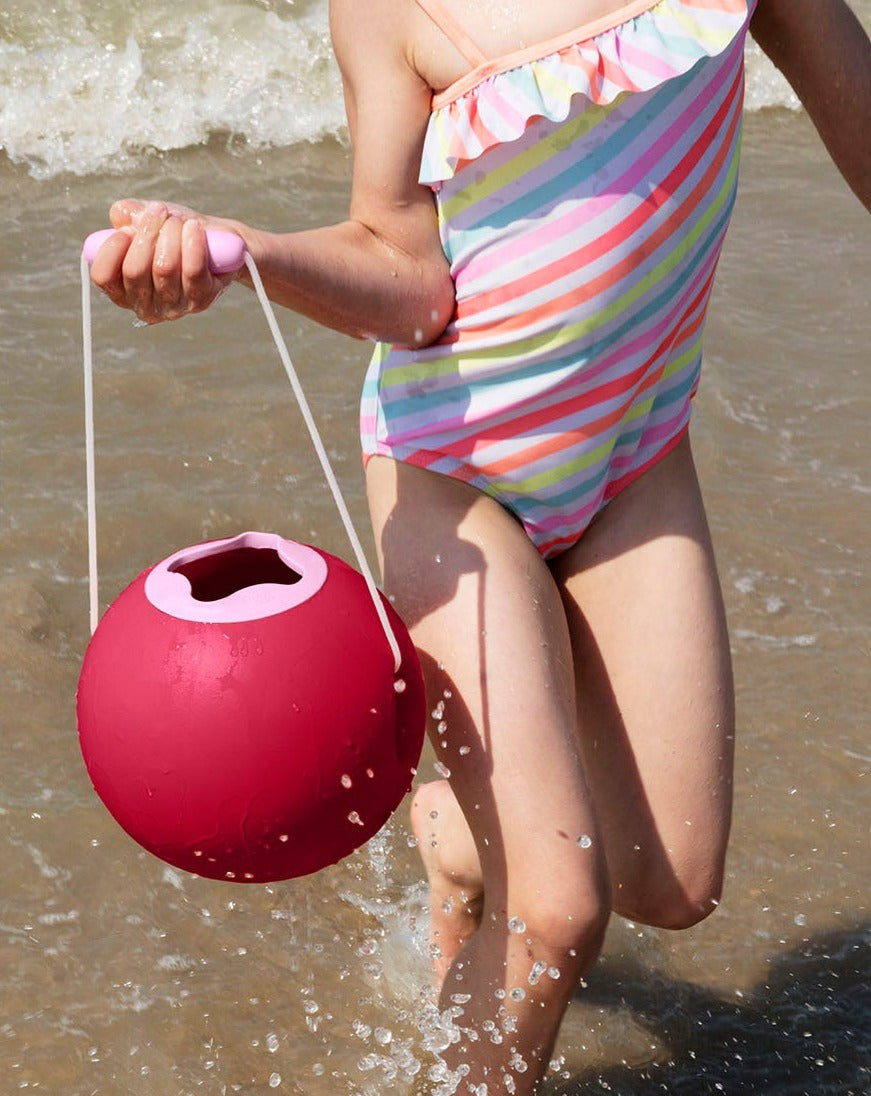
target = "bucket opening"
x: 220, y: 574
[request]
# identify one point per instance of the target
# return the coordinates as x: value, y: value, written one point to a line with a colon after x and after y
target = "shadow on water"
x: 805, y: 1031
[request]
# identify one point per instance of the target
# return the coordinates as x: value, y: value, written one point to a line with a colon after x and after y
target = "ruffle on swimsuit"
x: 636, y: 48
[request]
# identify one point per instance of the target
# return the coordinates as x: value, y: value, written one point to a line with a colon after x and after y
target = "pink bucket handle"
x: 226, y: 249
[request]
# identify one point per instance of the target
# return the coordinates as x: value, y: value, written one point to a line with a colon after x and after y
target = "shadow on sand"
x: 805, y: 1031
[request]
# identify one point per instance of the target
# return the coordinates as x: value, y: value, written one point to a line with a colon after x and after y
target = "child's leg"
x: 485, y: 610
x: 655, y: 694
x: 453, y: 870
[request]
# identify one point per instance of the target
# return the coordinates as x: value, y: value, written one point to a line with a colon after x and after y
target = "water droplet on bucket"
x: 399, y: 685
x: 517, y: 925
x: 346, y: 781
x: 517, y: 994
x: 585, y: 841
x: 355, y: 818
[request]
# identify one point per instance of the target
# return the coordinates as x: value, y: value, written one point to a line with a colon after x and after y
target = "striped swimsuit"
x: 583, y: 191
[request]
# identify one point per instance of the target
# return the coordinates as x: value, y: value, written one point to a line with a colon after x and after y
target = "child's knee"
x: 565, y: 920
x: 674, y: 901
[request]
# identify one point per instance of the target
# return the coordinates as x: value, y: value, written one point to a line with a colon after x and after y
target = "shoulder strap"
x: 452, y: 29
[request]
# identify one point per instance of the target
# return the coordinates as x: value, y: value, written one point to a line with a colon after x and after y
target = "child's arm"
x: 822, y: 49
x: 380, y: 273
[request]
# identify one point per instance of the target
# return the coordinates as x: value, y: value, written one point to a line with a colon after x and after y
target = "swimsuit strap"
x: 452, y: 29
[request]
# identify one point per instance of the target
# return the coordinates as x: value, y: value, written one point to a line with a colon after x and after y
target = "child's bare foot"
x: 447, y: 849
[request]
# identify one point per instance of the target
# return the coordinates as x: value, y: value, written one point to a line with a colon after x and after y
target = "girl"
x: 540, y: 194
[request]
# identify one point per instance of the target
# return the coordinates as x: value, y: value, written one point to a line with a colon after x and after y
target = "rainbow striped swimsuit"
x: 583, y: 192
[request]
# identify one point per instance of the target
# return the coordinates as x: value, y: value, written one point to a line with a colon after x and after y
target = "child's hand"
x: 157, y: 263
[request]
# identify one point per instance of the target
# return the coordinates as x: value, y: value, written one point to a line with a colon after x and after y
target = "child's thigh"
x: 488, y: 617
x: 655, y: 693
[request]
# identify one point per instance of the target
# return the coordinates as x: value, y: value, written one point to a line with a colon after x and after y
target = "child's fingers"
x: 125, y: 211
x: 199, y: 285
x: 138, y: 268
x: 107, y: 264
x: 166, y: 270
x: 157, y: 263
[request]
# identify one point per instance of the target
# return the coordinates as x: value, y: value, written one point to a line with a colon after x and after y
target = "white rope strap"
x: 324, y: 459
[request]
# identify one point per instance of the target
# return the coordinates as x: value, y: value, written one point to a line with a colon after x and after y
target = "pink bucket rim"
x: 170, y: 591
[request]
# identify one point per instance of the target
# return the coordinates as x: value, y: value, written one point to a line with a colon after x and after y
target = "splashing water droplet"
x: 517, y: 994
x: 517, y: 925
x: 442, y: 770
x: 465, y: 750
x: 585, y: 841
x: 361, y: 1030
x: 538, y: 968
x: 346, y: 781
x: 399, y: 685
x: 274, y: 1080
x: 355, y: 818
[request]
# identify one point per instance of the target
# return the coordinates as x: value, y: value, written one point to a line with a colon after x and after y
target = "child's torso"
x: 583, y: 196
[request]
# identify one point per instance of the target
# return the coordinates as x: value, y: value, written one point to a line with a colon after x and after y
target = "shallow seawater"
x: 120, y: 974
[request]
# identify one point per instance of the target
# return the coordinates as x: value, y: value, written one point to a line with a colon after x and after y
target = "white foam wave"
x: 93, y: 95
x: 232, y: 70
x: 766, y: 87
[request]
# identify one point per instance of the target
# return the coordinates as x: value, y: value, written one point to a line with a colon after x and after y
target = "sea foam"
x: 83, y: 92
